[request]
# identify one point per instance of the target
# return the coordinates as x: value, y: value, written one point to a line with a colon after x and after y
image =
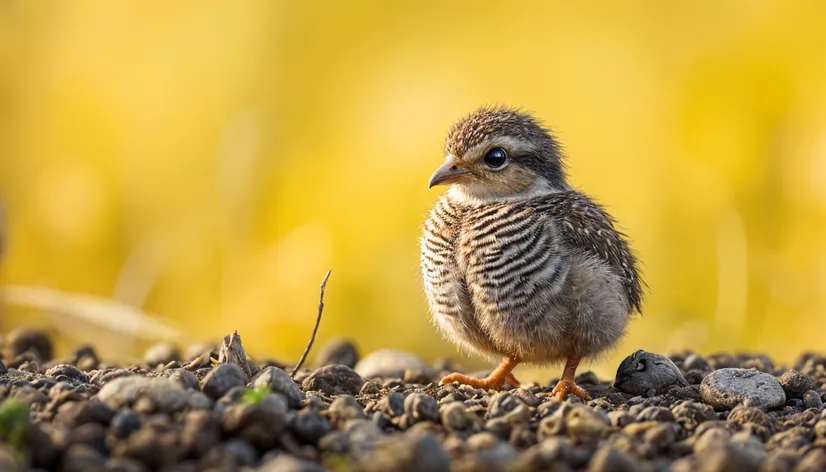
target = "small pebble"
x: 795, y: 383
x: 812, y: 399
x: 221, y: 379
x: 279, y: 381
x: 644, y: 372
x: 334, y: 380
x: 421, y: 407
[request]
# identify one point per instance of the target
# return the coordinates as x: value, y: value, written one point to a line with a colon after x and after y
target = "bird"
x: 518, y: 265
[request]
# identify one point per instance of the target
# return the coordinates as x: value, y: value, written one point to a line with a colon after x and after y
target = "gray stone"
x: 421, y: 407
x: 726, y: 388
x: 346, y: 407
x: 221, y: 379
x: 161, y: 353
x: 455, y: 417
x: 643, y: 372
x: 259, y: 424
x: 65, y: 372
x: 811, y: 399
x: 279, y: 381
x: 309, y: 426
x: 390, y: 363
x: 165, y: 395
x: 186, y: 378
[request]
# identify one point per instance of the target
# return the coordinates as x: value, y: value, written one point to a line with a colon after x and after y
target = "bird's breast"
x: 510, y: 256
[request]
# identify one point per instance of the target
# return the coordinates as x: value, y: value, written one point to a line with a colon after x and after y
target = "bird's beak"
x: 448, y: 173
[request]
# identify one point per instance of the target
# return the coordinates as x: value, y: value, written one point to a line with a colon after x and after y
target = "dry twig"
x: 315, y: 329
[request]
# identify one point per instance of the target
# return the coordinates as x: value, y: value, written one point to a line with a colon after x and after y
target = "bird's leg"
x: 566, y: 384
x: 494, y: 381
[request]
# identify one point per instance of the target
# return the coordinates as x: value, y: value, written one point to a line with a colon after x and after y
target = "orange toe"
x: 512, y: 380
x: 489, y: 383
x: 564, y: 387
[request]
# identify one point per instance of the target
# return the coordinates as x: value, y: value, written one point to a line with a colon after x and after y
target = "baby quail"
x: 518, y: 265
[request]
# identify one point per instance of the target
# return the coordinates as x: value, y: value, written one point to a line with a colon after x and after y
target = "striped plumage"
x: 538, y: 275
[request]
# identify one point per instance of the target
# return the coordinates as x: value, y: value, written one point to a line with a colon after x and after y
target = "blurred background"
x: 208, y: 161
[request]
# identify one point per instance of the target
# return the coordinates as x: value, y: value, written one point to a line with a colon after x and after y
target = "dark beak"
x: 448, y: 173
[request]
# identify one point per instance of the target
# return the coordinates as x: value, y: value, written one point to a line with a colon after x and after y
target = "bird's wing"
x: 586, y: 226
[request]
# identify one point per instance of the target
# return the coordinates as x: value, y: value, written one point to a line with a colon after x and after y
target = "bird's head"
x: 499, y: 154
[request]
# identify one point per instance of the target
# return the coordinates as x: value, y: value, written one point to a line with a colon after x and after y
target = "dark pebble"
x: 185, y: 379
x: 334, y: 380
x: 310, y: 426
x: 124, y: 423
x: 64, y: 372
x: 345, y: 407
x: 24, y: 340
x: 279, y: 381
x: 644, y: 372
x: 421, y: 407
x: 795, y: 383
x: 221, y: 379
x: 78, y: 413
x: 260, y: 424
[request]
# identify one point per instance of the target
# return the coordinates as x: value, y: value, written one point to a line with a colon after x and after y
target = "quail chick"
x: 518, y: 265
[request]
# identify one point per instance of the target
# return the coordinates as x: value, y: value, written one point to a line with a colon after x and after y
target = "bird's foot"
x: 512, y: 380
x: 490, y: 382
x: 564, y: 387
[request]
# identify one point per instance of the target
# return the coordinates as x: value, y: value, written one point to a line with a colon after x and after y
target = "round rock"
x: 643, y: 372
x: 726, y: 388
x: 796, y: 383
x: 334, y: 380
x: 280, y: 382
x: 165, y: 395
x: 222, y: 379
x: 390, y: 363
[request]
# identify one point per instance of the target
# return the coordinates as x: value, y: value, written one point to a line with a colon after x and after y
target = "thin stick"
x: 315, y: 329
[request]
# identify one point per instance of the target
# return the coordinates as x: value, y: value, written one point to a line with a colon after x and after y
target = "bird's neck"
x: 473, y: 196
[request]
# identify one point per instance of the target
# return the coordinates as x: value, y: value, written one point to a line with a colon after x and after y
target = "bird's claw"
x: 564, y: 387
x: 489, y: 383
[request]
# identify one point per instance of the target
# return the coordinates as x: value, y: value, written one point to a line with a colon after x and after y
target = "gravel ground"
x: 386, y: 411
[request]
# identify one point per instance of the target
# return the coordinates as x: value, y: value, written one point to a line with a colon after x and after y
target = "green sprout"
x: 254, y: 396
x: 14, y: 425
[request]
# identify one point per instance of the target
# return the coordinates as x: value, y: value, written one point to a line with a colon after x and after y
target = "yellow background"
x: 208, y: 161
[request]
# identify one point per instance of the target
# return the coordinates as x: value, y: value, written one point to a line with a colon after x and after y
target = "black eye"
x: 496, y: 158
x: 641, y: 366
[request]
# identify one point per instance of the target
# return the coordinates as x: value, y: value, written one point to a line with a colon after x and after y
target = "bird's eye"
x: 496, y: 158
x: 641, y: 366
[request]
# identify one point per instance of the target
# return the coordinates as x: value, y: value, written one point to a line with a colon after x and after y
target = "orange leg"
x: 566, y: 384
x: 494, y: 381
